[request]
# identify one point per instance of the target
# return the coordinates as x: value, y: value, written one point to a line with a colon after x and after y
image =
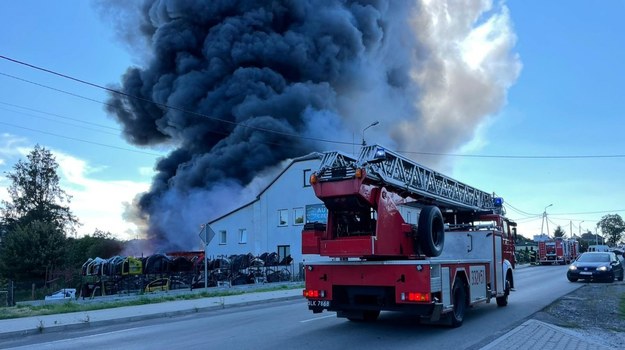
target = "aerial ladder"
x: 403, y: 175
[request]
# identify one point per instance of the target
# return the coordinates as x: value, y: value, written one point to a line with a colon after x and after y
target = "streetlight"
x: 363, y: 131
x: 545, y: 219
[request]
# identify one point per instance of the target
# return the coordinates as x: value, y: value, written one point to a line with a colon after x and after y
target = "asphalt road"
x: 288, y: 324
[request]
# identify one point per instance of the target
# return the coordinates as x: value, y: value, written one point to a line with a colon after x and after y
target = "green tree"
x: 612, y: 226
x: 559, y: 232
x: 99, y: 244
x: 520, y: 239
x: 32, y: 250
x: 35, y: 219
x: 104, y: 245
x: 35, y: 194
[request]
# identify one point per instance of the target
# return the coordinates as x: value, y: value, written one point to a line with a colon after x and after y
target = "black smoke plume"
x: 237, y: 87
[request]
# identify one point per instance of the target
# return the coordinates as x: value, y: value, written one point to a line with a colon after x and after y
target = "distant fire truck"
x: 458, y: 250
x: 557, y: 251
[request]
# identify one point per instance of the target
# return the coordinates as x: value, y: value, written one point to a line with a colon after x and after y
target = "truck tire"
x: 459, y: 297
x: 431, y: 231
x: 503, y: 300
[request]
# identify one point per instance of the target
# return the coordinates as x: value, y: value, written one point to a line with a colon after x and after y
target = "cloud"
x: 97, y: 203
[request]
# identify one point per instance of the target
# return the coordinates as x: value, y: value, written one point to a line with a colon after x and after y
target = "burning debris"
x: 236, y: 87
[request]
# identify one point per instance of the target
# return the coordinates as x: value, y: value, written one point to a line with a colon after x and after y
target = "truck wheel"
x: 431, y: 231
x: 620, y: 278
x: 503, y: 300
x: 458, y: 295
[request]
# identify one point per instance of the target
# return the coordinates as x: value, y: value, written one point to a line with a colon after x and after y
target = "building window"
x: 242, y: 236
x: 284, y: 251
x: 298, y: 216
x: 283, y: 217
x: 223, y: 235
x: 307, y: 173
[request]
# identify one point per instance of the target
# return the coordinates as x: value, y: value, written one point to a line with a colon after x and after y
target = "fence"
x: 7, y: 297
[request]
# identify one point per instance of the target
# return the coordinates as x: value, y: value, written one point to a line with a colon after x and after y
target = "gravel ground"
x: 593, y: 311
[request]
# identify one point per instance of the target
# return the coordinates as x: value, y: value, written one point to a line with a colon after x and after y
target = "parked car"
x: 596, y: 266
x: 62, y: 294
x: 161, y: 284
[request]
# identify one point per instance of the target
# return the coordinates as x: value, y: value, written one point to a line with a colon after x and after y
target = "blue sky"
x: 567, y: 101
x: 558, y: 139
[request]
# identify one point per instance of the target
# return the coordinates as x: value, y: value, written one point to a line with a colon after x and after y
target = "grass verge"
x: 70, y: 306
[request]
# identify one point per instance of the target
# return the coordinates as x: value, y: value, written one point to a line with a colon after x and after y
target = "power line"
x: 96, y: 101
x: 61, y: 122
x: 197, y: 114
x: 81, y: 140
x: 162, y: 105
x: 107, y: 104
x: 58, y: 115
x: 507, y: 204
x: 515, y: 156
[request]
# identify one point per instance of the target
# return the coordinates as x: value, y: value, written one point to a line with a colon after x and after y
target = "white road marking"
x: 318, y: 318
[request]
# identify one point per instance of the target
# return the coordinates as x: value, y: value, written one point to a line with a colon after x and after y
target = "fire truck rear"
x: 557, y: 251
x: 401, y: 237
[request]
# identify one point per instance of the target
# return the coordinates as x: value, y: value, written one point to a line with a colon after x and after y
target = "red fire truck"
x: 382, y: 256
x: 557, y: 251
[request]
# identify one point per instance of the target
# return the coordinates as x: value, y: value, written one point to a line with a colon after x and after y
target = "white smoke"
x: 465, y: 77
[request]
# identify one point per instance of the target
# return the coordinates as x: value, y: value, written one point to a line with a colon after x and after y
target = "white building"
x: 274, y: 220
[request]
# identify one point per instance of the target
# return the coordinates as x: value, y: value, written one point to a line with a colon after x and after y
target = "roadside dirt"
x: 593, y: 311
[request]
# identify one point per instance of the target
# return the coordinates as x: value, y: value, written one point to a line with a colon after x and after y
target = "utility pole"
x: 580, y: 229
x: 545, y: 220
x: 570, y: 228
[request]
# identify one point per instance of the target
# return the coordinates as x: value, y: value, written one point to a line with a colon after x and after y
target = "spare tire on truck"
x: 430, y: 231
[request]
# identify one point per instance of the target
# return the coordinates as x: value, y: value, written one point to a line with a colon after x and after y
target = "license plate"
x: 319, y: 303
x: 585, y: 273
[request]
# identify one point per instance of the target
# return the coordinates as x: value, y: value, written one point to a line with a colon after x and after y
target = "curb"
x: 57, y: 326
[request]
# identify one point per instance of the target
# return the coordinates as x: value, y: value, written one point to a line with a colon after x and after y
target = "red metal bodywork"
x: 381, y: 239
x: 378, y: 265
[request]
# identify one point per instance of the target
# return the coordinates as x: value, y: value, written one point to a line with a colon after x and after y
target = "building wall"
x: 289, y: 194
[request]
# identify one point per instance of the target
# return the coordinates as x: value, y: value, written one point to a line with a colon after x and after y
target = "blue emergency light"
x: 498, y: 202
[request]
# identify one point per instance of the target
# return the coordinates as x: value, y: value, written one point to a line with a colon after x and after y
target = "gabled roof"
x: 311, y: 156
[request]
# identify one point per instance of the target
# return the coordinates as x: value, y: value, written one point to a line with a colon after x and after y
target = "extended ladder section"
x: 401, y: 174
